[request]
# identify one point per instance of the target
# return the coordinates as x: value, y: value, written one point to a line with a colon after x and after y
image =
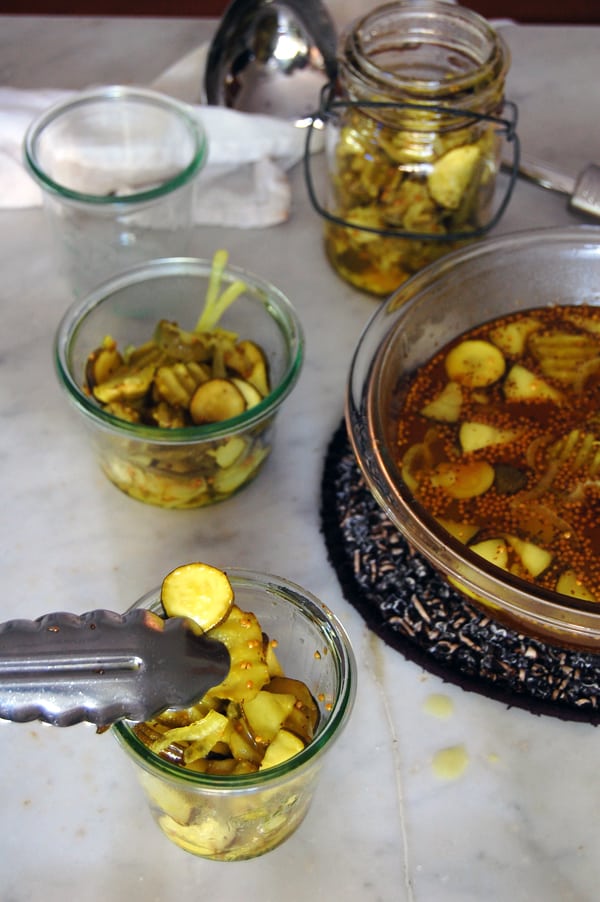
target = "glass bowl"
x: 469, y: 287
x: 117, y: 168
x: 234, y: 817
x: 189, y: 466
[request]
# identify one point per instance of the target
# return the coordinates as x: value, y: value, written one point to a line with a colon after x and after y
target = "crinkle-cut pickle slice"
x: 103, y: 362
x: 475, y: 363
x: 198, y: 591
x: 561, y: 354
x: 125, y: 385
x: 242, y: 635
x: 177, y: 382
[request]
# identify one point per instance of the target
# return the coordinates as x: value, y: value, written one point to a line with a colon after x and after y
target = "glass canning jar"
x: 412, y: 139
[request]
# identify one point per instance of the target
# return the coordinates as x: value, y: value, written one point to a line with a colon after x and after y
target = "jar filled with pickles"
x: 413, y: 140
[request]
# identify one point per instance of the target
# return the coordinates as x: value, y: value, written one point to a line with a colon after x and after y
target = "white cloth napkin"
x: 243, y: 184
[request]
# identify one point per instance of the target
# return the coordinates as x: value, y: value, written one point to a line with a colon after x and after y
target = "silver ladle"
x: 272, y: 57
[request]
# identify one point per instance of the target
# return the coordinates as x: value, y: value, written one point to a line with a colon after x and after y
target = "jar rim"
x: 477, y: 56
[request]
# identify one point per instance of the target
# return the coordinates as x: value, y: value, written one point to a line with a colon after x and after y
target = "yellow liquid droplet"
x: 450, y: 763
x: 438, y: 706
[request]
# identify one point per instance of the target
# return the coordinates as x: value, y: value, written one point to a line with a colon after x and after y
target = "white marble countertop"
x: 520, y: 823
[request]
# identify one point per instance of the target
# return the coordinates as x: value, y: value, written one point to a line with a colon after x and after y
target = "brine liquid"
x: 499, y: 438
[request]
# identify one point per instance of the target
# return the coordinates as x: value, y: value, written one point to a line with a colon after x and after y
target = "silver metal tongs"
x: 101, y: 667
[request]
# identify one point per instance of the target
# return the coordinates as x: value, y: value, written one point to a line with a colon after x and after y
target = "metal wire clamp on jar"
x: 413, y: 132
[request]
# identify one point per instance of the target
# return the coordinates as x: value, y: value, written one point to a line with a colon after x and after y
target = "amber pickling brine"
x: 413, y: 140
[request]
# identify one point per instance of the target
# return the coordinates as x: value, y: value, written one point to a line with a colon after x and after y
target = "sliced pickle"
x: 561, y: 354
x: 215, y: 401
x: 273, y: 664
x: 284, y: 746
x: 174, y: 802
x: 103, y: 363
x: 248, y: 671
x: 464, y: 480
x: 493, y: 550
x: 445, y: 407
x: 209, y: 836
x: 475, y: 363
x: 198, y: 591
x: 228, y: 481
x: 475, y: 436
x: 534, y: 558
x: 125, y: 385
x: 304, y: 715
x: 243, y: 745
x: 249, y: 361
x: 177, y: 382
x: 202, y: 735
x: 464, y: 532
x: 266, y: 713
x: 512, y: 337
x: 522, y: 384
x: 230, y: 451
x: 182, y: 345
x: 452, y: 174
x: 250, y: 393
x: 569, y: 583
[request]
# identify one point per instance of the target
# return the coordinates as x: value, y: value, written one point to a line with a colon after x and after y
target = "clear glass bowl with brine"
x: 547, y: 283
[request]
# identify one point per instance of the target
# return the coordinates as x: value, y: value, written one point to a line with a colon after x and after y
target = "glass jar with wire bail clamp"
x: 413, y: 136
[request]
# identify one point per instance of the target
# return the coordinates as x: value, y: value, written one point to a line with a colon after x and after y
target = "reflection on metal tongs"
x: 272, y: 57
x: 583, y: 191
x: 101, y: 667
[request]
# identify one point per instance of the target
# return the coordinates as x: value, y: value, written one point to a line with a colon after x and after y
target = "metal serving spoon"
x: 583, y: 191
x: 271, y: 56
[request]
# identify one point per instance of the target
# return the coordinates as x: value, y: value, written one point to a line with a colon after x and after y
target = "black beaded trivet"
x: 410, y: 606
